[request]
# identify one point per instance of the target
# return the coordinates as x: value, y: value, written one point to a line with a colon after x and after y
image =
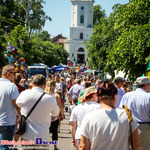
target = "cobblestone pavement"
x: 64, y: 137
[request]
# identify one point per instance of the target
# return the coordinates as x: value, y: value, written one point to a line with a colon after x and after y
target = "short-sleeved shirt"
x: 120, y: 94
x: 71, y: 108
x: 38, y: 122
x: 107, y: 129
x: 8, y: 92
x: 58, y: 87
x: 75, y: 91
x: 139, y: 103
x: 79, y: 112
x: 20, y: 88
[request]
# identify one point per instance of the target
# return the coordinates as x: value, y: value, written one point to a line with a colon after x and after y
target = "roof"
x: 56, y: 38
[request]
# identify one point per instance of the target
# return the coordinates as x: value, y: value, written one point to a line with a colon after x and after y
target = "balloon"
x: 16, y: 63
x: 15, y: 58
x: 8, y: 50
x: 16, y: 69
x: 22, y: 59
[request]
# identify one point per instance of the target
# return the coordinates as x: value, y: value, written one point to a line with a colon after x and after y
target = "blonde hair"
x: 49, y: 86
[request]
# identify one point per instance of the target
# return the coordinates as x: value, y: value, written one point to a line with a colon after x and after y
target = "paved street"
x: 64, y: 138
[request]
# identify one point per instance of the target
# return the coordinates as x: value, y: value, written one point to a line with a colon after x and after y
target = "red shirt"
x: 20, y: 88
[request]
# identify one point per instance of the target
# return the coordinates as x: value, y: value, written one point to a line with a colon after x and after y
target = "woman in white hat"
x: 88, y: 103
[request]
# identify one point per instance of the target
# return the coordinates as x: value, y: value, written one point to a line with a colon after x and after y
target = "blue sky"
x: 60, y: 12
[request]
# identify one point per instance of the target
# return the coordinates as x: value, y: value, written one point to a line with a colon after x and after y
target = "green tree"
x: 101, y: 43
x: 11, y: 14
x: 34, y: 14
x: 3, y: 59
x: 19, y: 37
x: 54, y: 54
x: 45, y: 36
x: 122, y: 42
x: 131, y: 51
x: 39, y: 49
x: 98, y: 13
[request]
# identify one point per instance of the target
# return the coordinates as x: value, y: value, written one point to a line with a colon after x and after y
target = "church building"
x: 80, y: 30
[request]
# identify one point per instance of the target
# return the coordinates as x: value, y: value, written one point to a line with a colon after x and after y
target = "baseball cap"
x: 142, y: 80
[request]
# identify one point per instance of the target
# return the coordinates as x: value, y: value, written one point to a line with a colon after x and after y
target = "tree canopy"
x: 122, y: 41
x: 19, y: 22
x: 98, y: 13
x: 38, y: 49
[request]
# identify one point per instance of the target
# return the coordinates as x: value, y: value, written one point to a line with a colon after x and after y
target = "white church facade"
x: 80, y: 30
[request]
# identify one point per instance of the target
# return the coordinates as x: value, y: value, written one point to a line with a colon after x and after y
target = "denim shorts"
x: 6, y: 133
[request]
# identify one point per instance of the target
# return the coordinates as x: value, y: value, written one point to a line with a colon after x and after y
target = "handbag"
x: 129, y: 114
x: 21, y: 122
x: 61, y: 117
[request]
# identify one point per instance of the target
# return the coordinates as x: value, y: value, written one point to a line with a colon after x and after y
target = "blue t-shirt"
x: 8, y: 92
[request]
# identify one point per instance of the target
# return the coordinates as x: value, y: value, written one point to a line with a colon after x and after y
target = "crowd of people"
x: 98, y: 119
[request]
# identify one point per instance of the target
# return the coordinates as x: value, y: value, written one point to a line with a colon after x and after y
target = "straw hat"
x: 87, y: 92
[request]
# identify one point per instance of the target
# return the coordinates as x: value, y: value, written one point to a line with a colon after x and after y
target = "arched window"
x: 82, y: 8
x: 80, y: 50
x: 81, y: 35
x: 82, y: 18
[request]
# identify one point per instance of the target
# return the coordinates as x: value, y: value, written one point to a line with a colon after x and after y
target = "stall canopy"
x: 59, y: 69
x: 62, y: 66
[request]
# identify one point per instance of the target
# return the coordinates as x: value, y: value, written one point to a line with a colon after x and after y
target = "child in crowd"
x: 75, y: 101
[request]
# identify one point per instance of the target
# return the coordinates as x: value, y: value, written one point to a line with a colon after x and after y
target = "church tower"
x: 80, y: 30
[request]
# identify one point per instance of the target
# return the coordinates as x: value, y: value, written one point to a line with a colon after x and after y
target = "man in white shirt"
x: 119, y: 83
x: 139, y: 103
x: 38, y: 122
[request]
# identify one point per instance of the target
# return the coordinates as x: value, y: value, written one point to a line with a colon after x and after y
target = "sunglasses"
x: 13, y: 73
